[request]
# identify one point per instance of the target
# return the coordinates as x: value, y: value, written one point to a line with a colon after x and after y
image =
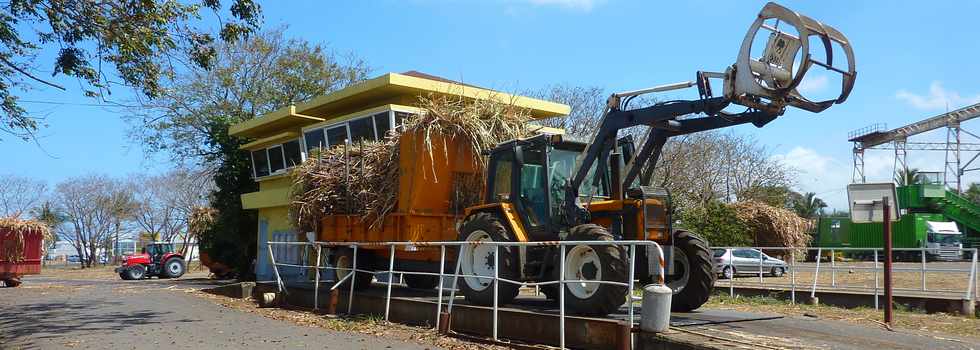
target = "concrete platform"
x: 852, y: 298
x: 533, y: 319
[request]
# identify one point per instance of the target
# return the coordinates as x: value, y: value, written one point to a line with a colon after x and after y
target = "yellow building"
x: 364, y: 111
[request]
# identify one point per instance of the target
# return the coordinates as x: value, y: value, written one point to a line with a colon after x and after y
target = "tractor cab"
x: 156, y: 251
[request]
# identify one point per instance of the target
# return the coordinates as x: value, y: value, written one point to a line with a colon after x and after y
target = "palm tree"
x: 808, y: 206
x: 908, y: 177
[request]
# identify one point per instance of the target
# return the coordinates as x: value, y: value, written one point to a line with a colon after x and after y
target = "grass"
x: 938, y: 325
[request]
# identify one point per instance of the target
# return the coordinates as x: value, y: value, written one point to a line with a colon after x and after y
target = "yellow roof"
x: 387, y: 88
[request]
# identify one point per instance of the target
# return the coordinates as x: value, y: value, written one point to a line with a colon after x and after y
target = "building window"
x: 361, y: 129
x: 276, y: 161
x: 314, y: 139
x: 400, y: 119
x: 260, y: 163
x: 337, y: 135
x: 382, y: 123
x: 292, y: 153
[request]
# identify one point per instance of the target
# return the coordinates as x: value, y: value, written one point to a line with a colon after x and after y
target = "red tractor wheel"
x: 173, y: 268
x: 135, y: 272
x: 11, y: 282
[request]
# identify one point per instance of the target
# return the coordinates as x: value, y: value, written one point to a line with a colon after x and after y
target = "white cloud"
x: 937, y: 99
x: 828, y: 177
x: 578, y: 5
x: 811, y: 85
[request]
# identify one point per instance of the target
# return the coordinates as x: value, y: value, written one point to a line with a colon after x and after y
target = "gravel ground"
x: 57, y: 313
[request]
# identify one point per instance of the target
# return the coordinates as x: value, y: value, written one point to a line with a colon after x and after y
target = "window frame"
x: 389, y: 113
x: 268, y: 158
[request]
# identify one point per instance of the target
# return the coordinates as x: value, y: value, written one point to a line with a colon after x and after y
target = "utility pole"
x: 887, y: 225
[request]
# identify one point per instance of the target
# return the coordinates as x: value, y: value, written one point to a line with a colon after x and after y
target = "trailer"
x: 916, y: 230
x: 20, y: 250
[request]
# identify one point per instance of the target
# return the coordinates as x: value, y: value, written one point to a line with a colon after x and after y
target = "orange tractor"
x: 550, y: 188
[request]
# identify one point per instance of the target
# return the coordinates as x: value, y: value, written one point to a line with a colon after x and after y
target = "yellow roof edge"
x: 544, y: 108
x: 265, y: 141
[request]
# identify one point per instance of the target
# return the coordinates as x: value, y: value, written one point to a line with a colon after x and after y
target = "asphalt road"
x: 47, y: 313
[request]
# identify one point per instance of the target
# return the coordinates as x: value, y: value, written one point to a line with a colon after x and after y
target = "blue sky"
x: 913, y: 59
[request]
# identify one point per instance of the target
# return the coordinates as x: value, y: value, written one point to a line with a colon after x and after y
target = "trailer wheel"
x: 136, y: 272
x: 174, y: 268
x: 693, y: 277
x: 421, y: 281
x: 478, y: 260
x: 596, y: 263
x: 343, y: 260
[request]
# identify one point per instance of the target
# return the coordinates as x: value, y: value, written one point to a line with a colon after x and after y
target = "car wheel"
x: 777, y: 271
x: 728, y: 272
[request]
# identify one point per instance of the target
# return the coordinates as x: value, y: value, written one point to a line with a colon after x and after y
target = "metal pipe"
x: 760, y: 267
x: 275, y: 269
x: 972, y: 282
x: 391, y: 275
x: 660, y: 88
x: 833, y: 268
x: 316, y: 285
x: 731, y: 281
x: 792, y: 261
x: 561, y: 297
x: 922, y: 254
x: 496, y: 287
x: 442, y: 270
x: 353, y: 271
x: 876, y: 277
x: 816, y: 274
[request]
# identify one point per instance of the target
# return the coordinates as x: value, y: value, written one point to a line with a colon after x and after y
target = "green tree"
x: 136, y: 40
x: 973, y: 193
x: 717, y: 223
x: 190, y: 122
x: 807, y: 205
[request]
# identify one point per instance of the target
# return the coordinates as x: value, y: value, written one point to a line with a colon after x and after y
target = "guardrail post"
x: 452, y: 293
x: 442, y: 270
x: 922, y: 254
x: 816, y: 274
x: 391, y: 276
x: 496, y: 286
x: 761, y: 282
x: 833, y: 268
x: 792, y: 261
x: 973, y: 279
x: 632, y: 275
x: 275, y: 269
x: 316, y: 283
x: 353, y: 271
x: 875, y: 269
x: 731, y: 281
x: 561, y: 296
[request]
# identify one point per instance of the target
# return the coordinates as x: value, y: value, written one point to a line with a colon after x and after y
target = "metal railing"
x: 793, y: 266
x: 456, y: 274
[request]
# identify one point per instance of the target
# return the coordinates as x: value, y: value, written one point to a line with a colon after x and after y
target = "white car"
x: 732, y: 261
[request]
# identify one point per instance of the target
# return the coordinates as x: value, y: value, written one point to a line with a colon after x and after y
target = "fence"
x: 815, y: 281
x: 391, y: 272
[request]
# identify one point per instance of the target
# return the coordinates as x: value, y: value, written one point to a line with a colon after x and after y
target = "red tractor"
x: 156, y: 259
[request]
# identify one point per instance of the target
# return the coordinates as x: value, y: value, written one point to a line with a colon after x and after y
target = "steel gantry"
x: 878, y: 137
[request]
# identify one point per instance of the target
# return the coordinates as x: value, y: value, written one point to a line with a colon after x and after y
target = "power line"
x: 77, y: 104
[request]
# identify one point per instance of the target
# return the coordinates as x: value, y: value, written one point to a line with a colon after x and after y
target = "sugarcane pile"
x: 362, y: 179
x: 772, y: 226
x: 13, y: 231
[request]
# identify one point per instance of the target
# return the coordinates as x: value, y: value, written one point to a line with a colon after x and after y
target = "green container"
x: 908, y: 232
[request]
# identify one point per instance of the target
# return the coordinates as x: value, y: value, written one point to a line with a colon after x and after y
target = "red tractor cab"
x: 156, y: 259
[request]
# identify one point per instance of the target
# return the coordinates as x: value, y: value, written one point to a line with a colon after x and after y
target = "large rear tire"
x: 12, y: 282
x: 693, y: 278
x: 478, y: 260
x: 343, y: 260
x: 174, y: 268
x: 596, y: 263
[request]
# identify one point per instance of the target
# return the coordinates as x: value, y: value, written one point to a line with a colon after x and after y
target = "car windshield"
x: 719, y: 252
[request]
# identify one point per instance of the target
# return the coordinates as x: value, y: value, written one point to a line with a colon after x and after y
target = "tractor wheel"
x: 174, y: 268
x: 421, y: 281
x: 11, y: 282
x: 124, y: 275
x: 594, y: 263
x: 478, y: 260
x: 343, y: 260
x: 693, y: 277
x: 135, y: 272
x: 550, y: 291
